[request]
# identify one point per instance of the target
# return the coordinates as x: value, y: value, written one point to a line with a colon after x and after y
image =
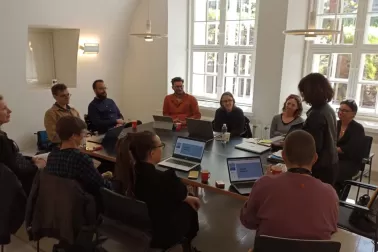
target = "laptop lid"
x: 244, y: 169
x: 159, y: 118
x: 200, y: 128
x: 189, y: 149
x: 111, y: 137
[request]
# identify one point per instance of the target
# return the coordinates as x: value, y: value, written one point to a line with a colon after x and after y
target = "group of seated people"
x: 306, y: 195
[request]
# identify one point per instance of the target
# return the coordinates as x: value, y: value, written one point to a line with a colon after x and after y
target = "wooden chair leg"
x: 2, y: 248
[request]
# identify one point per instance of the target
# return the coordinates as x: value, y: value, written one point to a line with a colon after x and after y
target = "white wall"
x: 145, y: 70
x: 105, y: 22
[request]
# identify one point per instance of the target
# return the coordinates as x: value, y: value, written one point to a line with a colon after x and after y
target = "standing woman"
x: 321, y: 124
x: 291, y: 115
x: 172, y: 211
x: 230, y: 115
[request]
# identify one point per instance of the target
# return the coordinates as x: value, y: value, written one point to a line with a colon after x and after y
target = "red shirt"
x: 187, y: 107
x: 292, y: 205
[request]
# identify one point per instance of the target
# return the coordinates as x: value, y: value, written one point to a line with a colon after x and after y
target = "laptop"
x: 252, y: 147
x: 201, y: 129
x: 187, y: 154
x: 163, y: 122
x: 111, y: 137
x: 243, y: 172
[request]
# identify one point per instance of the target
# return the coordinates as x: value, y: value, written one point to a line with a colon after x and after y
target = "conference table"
x: 214, y: 158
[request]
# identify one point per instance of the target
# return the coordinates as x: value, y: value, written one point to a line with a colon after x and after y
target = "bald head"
x: 299, y: 149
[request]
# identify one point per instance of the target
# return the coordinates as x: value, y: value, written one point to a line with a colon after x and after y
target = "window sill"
x: 213, y: 106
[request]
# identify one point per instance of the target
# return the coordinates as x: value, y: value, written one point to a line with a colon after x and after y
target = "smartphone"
x: 193, y: 174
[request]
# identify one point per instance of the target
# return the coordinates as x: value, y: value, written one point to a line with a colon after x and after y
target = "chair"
x: 346, y: 210
x: 89, y: 124
x: 247, y: 129
x: 127, y: 220
x: 129, y: 124
x: 265, y: 243
x: 43, y: 143
x: 367, y: 160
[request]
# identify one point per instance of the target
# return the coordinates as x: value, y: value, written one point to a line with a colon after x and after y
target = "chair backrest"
x: 268, y: 243
x: 129, y: 124
x: 128, y: 211
x: 88, y: 122
x: 247, y: 129
x: 368, y: 141
x: 43, y: 142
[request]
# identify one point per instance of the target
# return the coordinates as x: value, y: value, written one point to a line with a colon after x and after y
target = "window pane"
x: 248, y: 88
x: 368, y: 97
x: 199, y: 10
x: 233, y: 10
x: 347, y: 26
x: 213, y: 12
x: 241, y: 87
x: 247, y: 32
x: 371, y: 36
x: 370, y: 67
x: 230, y: 63
x: 211, y: 62
x: 229, y: 84
x: 325, y: 23
x: 198, y: 84
x: 341, y: 65
x: 232, y: 33
x: 350, y: 6
x: 199, y: 62
x: 213, y: 33
x: 373, y: 5
x: 248, y: 9
x: 199, y: 33
x: 210, y: 84
x: 340, y: 92
x: 320, y: 63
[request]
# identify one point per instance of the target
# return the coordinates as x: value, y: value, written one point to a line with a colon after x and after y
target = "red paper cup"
x: 205, y: 175
x: 134, y: 124
x: 276, y: 170
x: 178, y: 126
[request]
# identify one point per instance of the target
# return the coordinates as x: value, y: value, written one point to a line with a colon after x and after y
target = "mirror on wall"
x: 51, y: 56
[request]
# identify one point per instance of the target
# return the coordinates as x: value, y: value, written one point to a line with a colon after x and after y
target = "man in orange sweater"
x: 180, y: 105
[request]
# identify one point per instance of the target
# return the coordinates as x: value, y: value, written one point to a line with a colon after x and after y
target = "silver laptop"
x: 186, y: 155
x: 252, y: 147
x: 163, y: 122
x: 244, y: 172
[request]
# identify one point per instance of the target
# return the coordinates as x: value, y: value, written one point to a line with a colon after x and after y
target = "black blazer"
x: 234, y: 120
x: 8, y: 153
x: 352, y: 142
x: 163, y: 192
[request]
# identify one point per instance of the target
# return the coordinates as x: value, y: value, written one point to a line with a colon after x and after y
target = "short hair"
x: 177, y: 79
x: 298, y: 99
x: 299, y: 148
x: 351, y: 104
x: 67, y: 126
x: 1, y: 97
x: 95, y: 83
x: 228, y: 94
x: 60, y: 87
x: 315, y: 89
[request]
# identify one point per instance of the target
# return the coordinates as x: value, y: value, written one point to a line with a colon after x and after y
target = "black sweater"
x: 352, y: 142
x: 234, y: 120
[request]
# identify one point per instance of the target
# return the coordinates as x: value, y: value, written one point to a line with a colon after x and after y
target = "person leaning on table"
x: 293, y: 204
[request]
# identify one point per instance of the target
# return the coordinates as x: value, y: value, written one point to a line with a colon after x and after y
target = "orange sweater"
x: 187, y: 107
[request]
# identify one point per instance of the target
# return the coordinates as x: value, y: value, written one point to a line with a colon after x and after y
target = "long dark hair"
x: 132, y: 149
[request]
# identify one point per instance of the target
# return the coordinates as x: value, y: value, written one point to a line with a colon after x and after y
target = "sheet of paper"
x: 43, y: 156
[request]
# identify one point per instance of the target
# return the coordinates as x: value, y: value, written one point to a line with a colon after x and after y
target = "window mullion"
x: 222, y: 40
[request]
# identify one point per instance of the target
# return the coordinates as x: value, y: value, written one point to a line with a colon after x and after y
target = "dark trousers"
x: 326, y: 174
x: 347, y: 170
x: 184, y: 225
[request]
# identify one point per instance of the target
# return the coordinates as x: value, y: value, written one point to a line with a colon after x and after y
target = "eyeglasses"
x: 65, y: 95
x: 178, y: 87
x: 226, y: 101
x: 162, y: 145
x: 343, y: 110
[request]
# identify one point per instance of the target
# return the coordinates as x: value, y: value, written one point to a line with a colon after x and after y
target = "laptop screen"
x: 244, y: 169
x: 188, y: 148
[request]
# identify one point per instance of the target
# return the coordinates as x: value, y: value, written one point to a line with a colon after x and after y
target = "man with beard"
x: 58, y: 110
x: 102, y: 111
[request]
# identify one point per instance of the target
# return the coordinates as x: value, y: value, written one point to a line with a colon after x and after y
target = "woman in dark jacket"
x: 350, y: 144
x: 24, y: 169
x: 230, y: 115
x: 321, y: 124
x: 172, y: 211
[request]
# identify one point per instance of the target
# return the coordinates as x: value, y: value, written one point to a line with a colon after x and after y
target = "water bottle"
x: 224, y: 131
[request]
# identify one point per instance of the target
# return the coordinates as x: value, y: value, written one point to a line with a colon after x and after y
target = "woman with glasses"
x: 321, y: 124
x: 173, y: 212
x: 350, y: 141
x: 291, y: 115
x: 230, y: 115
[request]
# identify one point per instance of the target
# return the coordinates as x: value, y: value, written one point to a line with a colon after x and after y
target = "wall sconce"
x: 90, y: 48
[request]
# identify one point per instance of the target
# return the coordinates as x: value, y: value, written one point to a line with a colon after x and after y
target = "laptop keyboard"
x: 179, y: 162
x: 245, y: 185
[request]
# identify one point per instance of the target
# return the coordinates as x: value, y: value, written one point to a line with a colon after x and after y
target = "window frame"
x: 221, y: 49
x: 357, y: 50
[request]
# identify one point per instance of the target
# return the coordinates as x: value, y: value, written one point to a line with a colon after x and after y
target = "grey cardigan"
x: 278, y: 127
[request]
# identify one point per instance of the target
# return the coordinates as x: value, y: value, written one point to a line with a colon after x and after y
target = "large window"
x: 348, y: 59
x: 222, y: 51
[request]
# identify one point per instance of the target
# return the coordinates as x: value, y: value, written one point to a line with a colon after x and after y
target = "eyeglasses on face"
x: 65, y: 95
x: 162, y: 145
x: 228, y: 100
x: 178, y: 87
x: 338, y: 110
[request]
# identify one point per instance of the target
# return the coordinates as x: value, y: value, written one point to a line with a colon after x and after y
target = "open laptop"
x: 243, y: 172
x: 163, y: 122
x: 187, y: 154
x: 111, y: 137
x: 201, y: 129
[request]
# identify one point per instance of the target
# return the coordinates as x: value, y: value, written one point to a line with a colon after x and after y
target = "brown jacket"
x: 51, y: 118
x: 58, y: 208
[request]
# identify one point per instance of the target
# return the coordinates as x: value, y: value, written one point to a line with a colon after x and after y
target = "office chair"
x: 43, y: 143
x: 247, y: 129
x: 89, y: 124
x: 265, y: 243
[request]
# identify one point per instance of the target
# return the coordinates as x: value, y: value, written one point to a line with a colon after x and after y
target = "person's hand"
x: 194, y: 202
x: 176, y: 120
x: 120, y: 121
x: 39, y: 162
x: 118, y: 125
x: 107, y: 175
x: 339, y: 150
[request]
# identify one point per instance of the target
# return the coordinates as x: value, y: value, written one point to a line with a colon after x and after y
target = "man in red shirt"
x: 293, y: 204
x: 180, y: 105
